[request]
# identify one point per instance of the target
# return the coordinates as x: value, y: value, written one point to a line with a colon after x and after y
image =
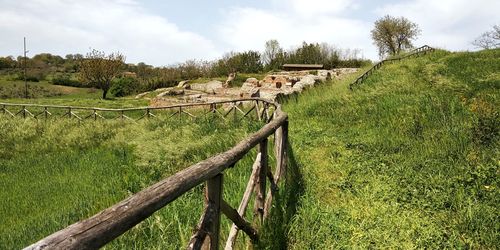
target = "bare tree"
x: 98, y: 69
x: 273, y: 54
x: 393, y: 34
x: 489, y: 39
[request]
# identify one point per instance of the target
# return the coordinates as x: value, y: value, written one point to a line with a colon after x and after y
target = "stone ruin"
x: 273, y: 85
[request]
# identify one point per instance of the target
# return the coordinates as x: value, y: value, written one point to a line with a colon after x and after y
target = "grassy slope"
x: 408, y: 160
x: 56, y: 173
x: 46, y: 93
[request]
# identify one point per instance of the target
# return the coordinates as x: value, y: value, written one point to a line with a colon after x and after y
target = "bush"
x: 124, y: 86
x: 33, y: 75
x: 65, y: 80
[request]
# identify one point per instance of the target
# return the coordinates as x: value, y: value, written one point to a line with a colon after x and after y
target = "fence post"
x: 283, y: 149
x: 260, y: 196
x: 257, y: 109
x: 280, y: 149
x: 214, y: 196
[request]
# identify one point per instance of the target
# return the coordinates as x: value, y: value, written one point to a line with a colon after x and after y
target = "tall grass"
x: 408, y: 160
x: 53, y: 174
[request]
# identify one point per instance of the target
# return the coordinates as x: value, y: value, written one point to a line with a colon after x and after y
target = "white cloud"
x: 70, y: 26
x: 311, y: 8
x: 250, y: 28
x: 449, y: 24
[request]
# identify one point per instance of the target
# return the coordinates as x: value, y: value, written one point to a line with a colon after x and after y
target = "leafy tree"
x: 245, y: 62
x: 393, y: 34
x: 489, y: 39
x: 124, y: 86
x: 7, y: 62
x: 307, y: 54
x: 250, y: 62
x: 98, y: 69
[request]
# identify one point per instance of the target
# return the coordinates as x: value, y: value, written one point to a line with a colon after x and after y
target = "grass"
x: 44, y: 92
x: 56, y: 173
x: 410, y: 159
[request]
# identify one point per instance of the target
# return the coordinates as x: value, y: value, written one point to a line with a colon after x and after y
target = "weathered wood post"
x: 280, y: 149
x: 261, y: 183
x: 233, y: 233
x: 257, y: 108
x: 235, y: 117
x: 214, y: 196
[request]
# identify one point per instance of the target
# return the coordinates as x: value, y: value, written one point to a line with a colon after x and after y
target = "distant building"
x: 298, y: 67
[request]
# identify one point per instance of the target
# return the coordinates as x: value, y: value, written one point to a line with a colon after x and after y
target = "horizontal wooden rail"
x: 110, y: 223
x: 416, y: 52
x: 262, y: 106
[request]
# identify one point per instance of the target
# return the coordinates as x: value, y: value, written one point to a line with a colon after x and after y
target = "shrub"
x: 65, y: 80
x: 124, y: 86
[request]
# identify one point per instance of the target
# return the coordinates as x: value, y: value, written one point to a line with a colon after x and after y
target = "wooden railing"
x: 223, y: 109
x: 110, y: 223
x: 416, y: 52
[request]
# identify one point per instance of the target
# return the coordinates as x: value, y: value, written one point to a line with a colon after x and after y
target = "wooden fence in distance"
x: 222, y: 109
x: 110, y: 223
x: 416, y: 52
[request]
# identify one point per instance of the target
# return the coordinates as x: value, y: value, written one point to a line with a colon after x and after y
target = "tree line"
x: 62, y: 70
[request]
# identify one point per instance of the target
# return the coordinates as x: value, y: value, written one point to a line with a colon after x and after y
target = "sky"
x: 166, y: 32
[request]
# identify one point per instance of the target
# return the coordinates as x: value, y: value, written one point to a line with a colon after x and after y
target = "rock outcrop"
x: 184, y: 85
x: 209, y: 87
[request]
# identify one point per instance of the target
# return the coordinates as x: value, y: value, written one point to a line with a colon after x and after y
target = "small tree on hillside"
x: 98, y: 69
x: 391, y: 35
x: 489, y: 39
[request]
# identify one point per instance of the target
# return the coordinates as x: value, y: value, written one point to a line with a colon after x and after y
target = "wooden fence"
x: 416, y: 52
x: 110, y: 223
x: 222, y: 109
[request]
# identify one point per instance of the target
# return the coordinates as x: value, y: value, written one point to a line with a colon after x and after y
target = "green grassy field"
x: 410, y: 159
x: 55, y: 173
x: 44, y: 92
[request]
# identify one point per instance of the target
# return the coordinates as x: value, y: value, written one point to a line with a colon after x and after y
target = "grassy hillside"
x: 410, y: 159
x: 55, y: 173
x: 43, y: 92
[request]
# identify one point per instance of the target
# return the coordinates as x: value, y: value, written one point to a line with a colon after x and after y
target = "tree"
x: 273, y: 55
x: 489, y: 39
x: 309, y: 53
x: 393, y: 34
x: 98, y: 69
x: 7, y: 62
x: 250, y: 62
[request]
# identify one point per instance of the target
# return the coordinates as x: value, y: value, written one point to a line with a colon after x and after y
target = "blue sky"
x: 167, y: 32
